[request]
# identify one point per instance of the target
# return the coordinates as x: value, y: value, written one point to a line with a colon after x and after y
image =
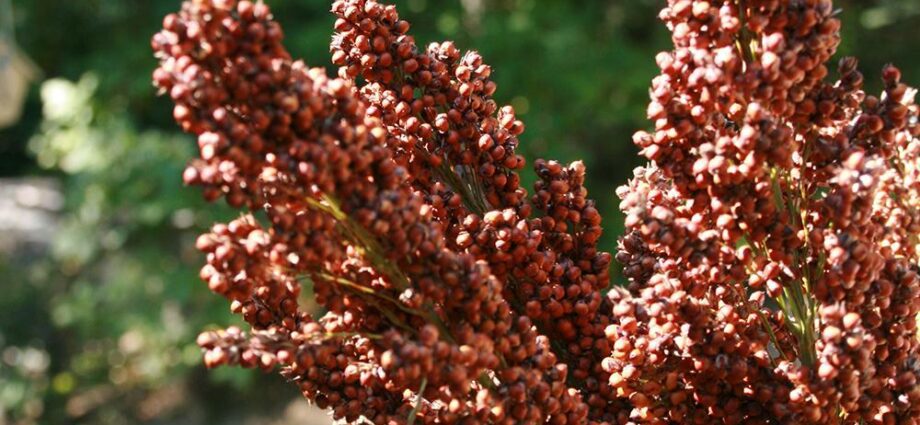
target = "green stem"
x: 372, y: 250
x: 362, y: 240
x: 361, y: 289
x: 765, y: 323
x: 446, y: 174
x: 418, y: 403
x: 796, y: 300
x: 745, y: 42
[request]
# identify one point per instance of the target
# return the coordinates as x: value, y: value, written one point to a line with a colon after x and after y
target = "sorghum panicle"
x: 771, y: 244
x: 771, y: 247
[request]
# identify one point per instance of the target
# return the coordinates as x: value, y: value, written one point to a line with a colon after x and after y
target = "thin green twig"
x: 418, y: 402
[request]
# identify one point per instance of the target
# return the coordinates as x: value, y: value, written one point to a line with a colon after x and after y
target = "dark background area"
x: 100, y: 300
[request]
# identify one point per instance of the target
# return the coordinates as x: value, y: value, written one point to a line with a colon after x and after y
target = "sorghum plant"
x: 771, y: 246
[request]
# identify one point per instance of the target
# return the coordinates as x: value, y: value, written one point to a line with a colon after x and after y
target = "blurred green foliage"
x: 100, y: 329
